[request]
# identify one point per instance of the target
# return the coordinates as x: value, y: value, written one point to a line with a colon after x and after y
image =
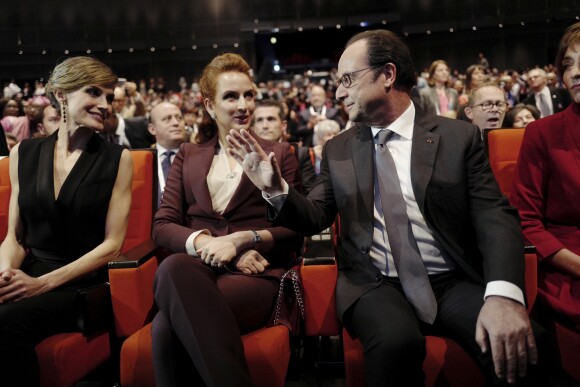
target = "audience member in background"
x: 116, y: 127
x: 167, y: 125
x: 67, y: 217
x: 316, y: 112
x: 323, y: 131
x: 224, y: 277
x: 14, y: 119
x: 507, y: 84
x: 439, y: 98
x: 269, y: 125
x: 49, y: 121
x: 34, y: 113
x: 474, y: 77
x: 520, y: 116
x: 134, y: 106
x: 487, y: 107
x: 546, y: 187
x: 547, y: 100
x: 11, y: 107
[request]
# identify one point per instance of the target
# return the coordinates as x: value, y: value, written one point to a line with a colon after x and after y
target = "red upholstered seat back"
x: 144, y: 193
x: 4, y: 196
x: 503, y: 149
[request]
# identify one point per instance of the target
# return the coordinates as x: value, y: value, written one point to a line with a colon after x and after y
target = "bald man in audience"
x: 548, y: 100
x: 316, y: 112
x: 166, y: 123
x: 487, y: 107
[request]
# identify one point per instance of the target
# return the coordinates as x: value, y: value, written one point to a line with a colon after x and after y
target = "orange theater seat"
x: 67, y: 357
x: 503, y: 147
x: 446, y: 363
x: 267, y: 350
x: 5, y: 189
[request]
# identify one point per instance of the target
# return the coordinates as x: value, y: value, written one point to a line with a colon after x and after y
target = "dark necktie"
x: 408, y: 261
x: 166, y: 163
x: 544, y: 108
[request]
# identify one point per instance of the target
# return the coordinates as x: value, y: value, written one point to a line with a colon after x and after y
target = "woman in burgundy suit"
x: 224, y: 277
x: 547, y: 190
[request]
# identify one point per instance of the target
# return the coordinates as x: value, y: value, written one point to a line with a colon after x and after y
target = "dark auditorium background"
x: 141, y: 39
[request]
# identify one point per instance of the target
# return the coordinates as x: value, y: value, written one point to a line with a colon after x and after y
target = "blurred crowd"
x: 307, y: 99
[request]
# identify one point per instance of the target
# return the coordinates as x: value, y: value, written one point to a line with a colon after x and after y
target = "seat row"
x: 67, y: 358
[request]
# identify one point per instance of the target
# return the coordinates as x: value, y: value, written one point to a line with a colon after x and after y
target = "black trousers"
x: 394, y: 339
x: 24, y: 324
x: 203, y: 312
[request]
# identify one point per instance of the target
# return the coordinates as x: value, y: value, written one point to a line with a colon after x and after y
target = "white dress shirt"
x: 545, y: 92
x: 222, y: 182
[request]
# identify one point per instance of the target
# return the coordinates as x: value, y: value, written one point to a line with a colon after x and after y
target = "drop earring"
x: 64, y: 111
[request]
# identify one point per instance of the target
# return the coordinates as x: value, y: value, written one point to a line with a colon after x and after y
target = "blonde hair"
x: 77, y: 72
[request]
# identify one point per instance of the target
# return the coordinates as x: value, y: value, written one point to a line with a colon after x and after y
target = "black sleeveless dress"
x: 60, y: 230
x: 57, y: 232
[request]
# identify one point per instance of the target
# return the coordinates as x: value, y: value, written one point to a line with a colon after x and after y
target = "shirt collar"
x: 161, y: 150
x: 403, y: 126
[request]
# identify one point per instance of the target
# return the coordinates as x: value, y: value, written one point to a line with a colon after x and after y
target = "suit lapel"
x: 423, y: 153
x: 362, y: 156
x: 198, y: 169
x: 246, y: 188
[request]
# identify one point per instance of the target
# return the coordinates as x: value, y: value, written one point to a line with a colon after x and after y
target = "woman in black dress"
x: 69, y: 206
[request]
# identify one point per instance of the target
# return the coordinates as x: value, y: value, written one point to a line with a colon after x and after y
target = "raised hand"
x: 262, y: 169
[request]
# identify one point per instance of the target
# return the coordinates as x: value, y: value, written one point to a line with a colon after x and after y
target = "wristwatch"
x: 256, y: 237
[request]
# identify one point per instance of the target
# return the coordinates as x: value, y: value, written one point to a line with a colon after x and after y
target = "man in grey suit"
x: 465, y: 232
x: 548, y: 100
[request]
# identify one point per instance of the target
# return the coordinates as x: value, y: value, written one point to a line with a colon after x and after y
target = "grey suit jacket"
x: 455, y: 191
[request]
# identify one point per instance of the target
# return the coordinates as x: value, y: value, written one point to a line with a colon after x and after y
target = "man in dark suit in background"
x: 445, y: 207
x: 316, y: 112
x: 167, y: 125
x: 548, y: 100
x: 269, y: 125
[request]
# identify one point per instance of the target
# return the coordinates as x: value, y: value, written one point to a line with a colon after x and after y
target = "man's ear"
x: 390, y: 72
x: 40, y: 129
x: 151, y: 129
x: 469, y: 112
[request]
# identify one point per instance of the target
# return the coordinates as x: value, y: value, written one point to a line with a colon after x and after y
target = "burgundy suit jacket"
x: 547, y: 182
x: 186, y: 205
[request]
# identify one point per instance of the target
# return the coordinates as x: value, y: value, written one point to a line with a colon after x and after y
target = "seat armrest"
x: 531, y: 275
x: 131, y: 277
x: 138, y: 255
x: 319, y: 281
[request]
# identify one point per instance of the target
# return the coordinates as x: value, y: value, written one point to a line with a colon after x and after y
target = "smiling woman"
x: 63, y: 227
x: 225, y: 275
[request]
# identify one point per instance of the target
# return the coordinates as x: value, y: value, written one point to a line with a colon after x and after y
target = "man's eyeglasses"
x: 488, y: 105
x: 346, y: 78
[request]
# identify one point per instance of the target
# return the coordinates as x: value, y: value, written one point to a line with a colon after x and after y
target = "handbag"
x: 93, y: 309
x: 289, y: 307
